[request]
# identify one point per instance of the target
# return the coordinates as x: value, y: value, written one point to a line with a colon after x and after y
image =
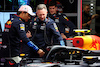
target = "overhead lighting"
x: 91, y: 4
x: 91, y: 10
x: 91, y: 7
x: 91, y: 13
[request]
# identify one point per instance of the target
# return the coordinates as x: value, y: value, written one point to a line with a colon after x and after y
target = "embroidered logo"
x: 22, y: 27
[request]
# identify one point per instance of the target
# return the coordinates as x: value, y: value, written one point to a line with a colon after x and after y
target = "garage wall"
x: 92, y: 11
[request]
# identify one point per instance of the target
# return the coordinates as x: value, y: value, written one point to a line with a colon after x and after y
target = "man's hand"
x: 89, y: 22
x: 28, y: 34
x: 63, y: 36
x: 41, y: 52
x: 94, y: 16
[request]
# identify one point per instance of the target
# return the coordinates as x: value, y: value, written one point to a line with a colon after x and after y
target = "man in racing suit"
x: 14, y: 32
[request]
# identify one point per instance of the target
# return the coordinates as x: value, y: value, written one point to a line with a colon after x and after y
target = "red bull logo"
x: 89, y: 42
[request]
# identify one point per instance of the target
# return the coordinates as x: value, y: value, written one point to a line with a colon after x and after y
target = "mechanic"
x: 86, y: 17
x: 61, y: 20
x: 43, y: 28
x: 14, y: 32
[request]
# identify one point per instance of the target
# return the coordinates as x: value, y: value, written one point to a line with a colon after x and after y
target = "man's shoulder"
x: 62, y: 15
x: 50, y: 20
x: 17, y: 21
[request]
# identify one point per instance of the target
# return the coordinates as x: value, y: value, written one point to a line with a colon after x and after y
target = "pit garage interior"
x: 72, y: 9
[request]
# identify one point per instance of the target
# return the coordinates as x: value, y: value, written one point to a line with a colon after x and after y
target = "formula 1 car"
x: 74, y: 56
x: 88, y: 42
x: 85, y: 52
x: 65, y: 56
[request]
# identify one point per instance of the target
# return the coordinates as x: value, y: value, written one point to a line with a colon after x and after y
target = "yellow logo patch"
x: 22, y: 27
x: 66, y: 18
x: 9, y: 22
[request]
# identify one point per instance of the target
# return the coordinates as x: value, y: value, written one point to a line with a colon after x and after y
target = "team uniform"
x: 43, y: 31
x: 13, y: 33
x: 25, y: 49
x: 62, y: 21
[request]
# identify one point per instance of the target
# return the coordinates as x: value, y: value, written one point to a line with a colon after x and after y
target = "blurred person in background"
x: 86, y: 17
x: 61, y: 20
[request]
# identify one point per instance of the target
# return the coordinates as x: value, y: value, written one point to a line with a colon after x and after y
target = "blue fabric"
x: 62, y: 22
x: 31, y: 44
x: 51, y: 30
x: 62, y: 43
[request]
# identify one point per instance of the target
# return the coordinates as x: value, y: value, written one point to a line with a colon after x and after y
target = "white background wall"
x: 4, y: 16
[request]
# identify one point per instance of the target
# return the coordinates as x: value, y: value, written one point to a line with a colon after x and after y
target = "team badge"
x: 20, y: 19
x: 44, y: 24
x: 57, y: 19
x: 42, y: 27
x: 9, y: 22
x: 12, y: 18
x: 55, y: 26
x: 66, y: 18
x: 6, y: 30
x: 22, y: 27
x: 59, y: 13
x: 35, y: 23
x: 34, y: 19
x: 67, y: 30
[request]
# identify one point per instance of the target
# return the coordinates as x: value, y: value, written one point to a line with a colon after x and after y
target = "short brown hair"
x: 84, y: 5
x: 52, y: 3
x: 41, y: 6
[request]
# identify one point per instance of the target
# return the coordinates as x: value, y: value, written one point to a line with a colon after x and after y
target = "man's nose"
x: 42, y: 16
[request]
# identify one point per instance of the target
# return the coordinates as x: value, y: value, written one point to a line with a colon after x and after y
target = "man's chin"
x: 26, y: 20
x: 42, y: 19
x: 52, y: 13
